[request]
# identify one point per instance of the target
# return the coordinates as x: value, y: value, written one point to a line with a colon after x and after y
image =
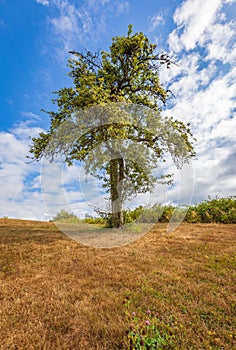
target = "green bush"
x: 192, y: 216
x: 64, y: 216
x: 218, y: 210
x: 151, y: 214
x: 89, y: 219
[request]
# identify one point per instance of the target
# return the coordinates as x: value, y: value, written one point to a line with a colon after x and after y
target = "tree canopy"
x: 110, y: 119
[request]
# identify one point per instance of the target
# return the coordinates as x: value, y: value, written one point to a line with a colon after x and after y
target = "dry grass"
x: 58, y: 294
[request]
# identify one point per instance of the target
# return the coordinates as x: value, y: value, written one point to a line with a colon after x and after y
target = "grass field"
x: 58, y: 294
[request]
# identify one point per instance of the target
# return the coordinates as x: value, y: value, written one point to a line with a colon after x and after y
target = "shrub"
x: 218, y: 210
x: 89, y: 219
x: 64, y: 216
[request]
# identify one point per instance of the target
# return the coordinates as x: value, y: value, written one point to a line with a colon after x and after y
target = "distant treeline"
x: 217, y: 210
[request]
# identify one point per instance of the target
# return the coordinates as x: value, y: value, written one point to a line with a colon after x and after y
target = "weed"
x: 146, y: 332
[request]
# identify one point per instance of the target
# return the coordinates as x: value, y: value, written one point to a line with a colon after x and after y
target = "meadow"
x: 163, y: 291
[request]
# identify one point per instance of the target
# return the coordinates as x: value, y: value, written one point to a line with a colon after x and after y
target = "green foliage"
x: 113, y: 112
x: 65, y: 216
x: 146, y: 331
x: 156, y: 213
x: 219, y: 210
x: 89, y: 219
x: 132, y: 215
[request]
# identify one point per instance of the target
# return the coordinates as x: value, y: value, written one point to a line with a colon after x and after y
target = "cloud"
x: 228, y: 167
x: 210, y: 110
x: 83, y: 24
x: 16, y: 176
x: 122, y: 7
x: 156, y: 20
x: 30, y: 116
x: 43, y: 2
x: 220, y: 42
x: 68, y: 188
x: 96, y: 6
x: 203, y: 44
x: 193, y: 18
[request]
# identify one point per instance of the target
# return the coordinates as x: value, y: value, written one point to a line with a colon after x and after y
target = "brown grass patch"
x: 58, y: 294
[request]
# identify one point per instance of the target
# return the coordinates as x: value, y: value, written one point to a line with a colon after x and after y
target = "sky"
x: 35, y: 37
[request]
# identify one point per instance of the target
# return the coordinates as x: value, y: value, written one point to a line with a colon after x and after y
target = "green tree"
x: 64, y: 215
x: 110, y: 120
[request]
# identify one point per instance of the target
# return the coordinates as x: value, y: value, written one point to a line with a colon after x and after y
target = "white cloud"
x: 64, y: 23
x: 210, y: 104
x: 66, y: 26
x: 122, y: 7
x: 204, y: 84
x: 30, y: 116
x: 156, y: 20
x: 81, y: 24
x: 193, y: 18
x: 220, y: 42
x: 17, y: 198
x: 43, y: 2
x: 68, y: 188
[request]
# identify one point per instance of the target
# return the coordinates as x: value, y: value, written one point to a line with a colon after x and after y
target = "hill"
x: 58, y: 294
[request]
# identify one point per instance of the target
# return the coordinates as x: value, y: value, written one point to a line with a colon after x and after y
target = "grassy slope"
x: 58, y: 294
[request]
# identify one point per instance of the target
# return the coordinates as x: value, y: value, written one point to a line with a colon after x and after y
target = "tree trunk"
x: 116, y: 180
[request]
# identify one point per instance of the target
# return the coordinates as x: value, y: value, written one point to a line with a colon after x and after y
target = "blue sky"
x: 35, y: 37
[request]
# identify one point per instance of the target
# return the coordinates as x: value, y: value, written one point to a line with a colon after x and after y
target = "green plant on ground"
x: 145, y: 331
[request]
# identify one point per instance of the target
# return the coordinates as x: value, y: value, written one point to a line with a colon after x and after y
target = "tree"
x: 110, y: 119
x: 64, y: 215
